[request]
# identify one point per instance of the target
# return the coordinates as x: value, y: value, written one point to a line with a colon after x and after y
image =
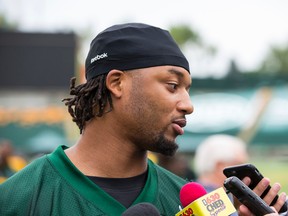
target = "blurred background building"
x: 238, y: 54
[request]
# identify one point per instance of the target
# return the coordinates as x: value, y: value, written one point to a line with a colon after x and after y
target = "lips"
x: 178, y: 126
x: 180, y: 122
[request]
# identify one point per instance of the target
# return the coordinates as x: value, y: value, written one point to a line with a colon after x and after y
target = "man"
x: 10, y: 163
x: 214, y: 154
x: 222, y: 151
x: 177, y: 164
x: 135, y: 99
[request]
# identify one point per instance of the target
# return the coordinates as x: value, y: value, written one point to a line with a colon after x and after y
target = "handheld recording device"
x: 253, y: 173
x: 246, y: 196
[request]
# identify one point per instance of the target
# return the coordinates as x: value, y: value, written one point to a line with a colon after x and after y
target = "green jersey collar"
x: 94, y: 194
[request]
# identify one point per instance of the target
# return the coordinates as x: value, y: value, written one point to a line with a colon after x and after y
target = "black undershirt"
x: 124, y: 190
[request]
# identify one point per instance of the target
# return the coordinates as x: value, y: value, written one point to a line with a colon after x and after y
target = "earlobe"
x: 114, y: 82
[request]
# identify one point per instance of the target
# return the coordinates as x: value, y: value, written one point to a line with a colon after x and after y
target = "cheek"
x: 145, y: 109
x: 149, y: 106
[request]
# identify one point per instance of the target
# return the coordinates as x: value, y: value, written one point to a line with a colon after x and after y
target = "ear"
x: 220, y: 166
x: 114, y: 81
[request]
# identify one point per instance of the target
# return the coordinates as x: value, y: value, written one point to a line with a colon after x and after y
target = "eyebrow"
x: 174, y: 71
x: 178, y: 73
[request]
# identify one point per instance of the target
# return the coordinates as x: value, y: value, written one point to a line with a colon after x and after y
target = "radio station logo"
x: 214, y: 204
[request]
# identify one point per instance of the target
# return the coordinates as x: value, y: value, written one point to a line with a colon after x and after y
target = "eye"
x: 172, y: 86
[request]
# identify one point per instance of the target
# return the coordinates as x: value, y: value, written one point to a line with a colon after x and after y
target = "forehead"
x: 166, y: 70
x: 179, y: 72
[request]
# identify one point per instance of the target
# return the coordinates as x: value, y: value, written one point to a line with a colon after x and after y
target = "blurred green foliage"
x: 276, y: 61
x: 6, y: 24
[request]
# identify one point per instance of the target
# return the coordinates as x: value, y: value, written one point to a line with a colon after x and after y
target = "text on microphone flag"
x: 215, y: 203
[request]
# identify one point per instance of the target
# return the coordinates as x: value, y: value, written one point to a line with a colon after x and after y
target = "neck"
x: 211, y: 179
x: 107, y: 154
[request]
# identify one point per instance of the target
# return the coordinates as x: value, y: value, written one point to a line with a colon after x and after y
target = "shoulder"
x: 19, y: 188
x: 168, y: 180
x: 24, y: 177
x: 165, y: 174
x: 168, y: 190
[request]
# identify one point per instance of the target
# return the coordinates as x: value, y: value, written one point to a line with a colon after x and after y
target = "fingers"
x: 260, y: 188
x: 262, y: 185
x: 280, y: 202
x: 273, y: 209
x: 246, y: 180
x: 273, y: 214
x: 244, y: 211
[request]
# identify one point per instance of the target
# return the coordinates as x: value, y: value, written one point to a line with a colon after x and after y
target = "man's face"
x: 156, y: 103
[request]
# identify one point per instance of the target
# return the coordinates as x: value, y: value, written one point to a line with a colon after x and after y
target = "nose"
x: 185, y: 105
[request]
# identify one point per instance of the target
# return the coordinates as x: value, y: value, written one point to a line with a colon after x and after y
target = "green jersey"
x: 52, y: 185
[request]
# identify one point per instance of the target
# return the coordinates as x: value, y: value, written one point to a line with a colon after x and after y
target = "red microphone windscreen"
x: 190, y: 192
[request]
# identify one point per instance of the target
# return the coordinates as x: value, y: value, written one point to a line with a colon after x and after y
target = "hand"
x: 273, y: 214
x: 259, y: 189
x: 244, y: 211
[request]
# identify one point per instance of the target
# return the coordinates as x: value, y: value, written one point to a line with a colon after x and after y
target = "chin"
x: 171, y: 138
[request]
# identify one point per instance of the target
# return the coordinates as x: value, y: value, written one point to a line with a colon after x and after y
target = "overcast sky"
x: 243, y: 30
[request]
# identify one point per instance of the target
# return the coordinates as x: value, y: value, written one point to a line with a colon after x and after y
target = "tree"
x: 197, y: 51
x: 5, y: 24
x: 233, y: 70
x: 185, y: 36
x: 276, y: 61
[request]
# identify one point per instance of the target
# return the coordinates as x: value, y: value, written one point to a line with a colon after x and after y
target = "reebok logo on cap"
x: 97, y: 57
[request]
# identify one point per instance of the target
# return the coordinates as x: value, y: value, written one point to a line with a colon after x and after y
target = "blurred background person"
x: 214, y: 154
x: 10, y: 162
x: 178, y: 164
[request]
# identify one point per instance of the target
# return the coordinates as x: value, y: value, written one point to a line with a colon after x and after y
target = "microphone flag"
x: 215, y: 203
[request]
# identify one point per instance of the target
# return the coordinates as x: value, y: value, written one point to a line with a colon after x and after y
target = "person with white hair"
x: 215, y: 153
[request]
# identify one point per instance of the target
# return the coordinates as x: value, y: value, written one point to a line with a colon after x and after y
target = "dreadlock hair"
x: 89, y: 100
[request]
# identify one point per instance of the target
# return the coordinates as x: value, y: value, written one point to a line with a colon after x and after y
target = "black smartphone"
x: 254, y: 174
x: 246, y: 196
x: 243, y: 170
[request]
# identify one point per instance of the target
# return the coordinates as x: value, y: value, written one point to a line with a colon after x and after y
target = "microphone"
x: 142, y: 209
x: 197, y: 202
